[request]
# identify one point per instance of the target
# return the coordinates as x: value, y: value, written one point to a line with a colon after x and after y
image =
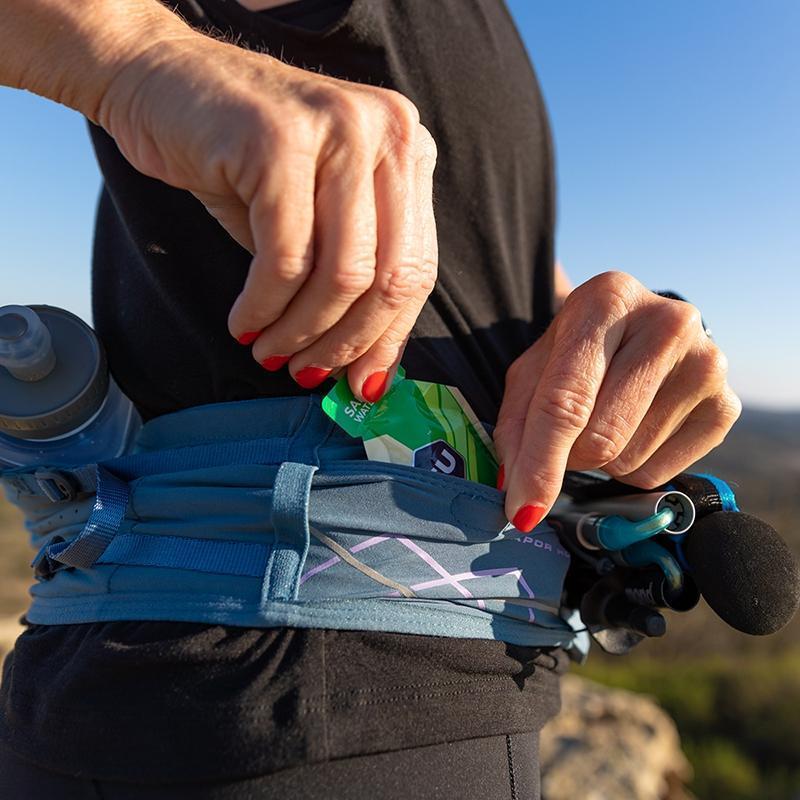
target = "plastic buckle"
x: 43, y: 565
x: 58, y: 486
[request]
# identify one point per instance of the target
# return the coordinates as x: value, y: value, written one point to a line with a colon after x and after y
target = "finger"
x: 397, y: 278
x: 345, y: 241
x: 636, y: 376
x: 585, y: 340
x: 704, y: 429
x: 281, y: 220
x: 233, y: 214
x: 372, y: 373
x: 522, y: 377
x: 700, y: 375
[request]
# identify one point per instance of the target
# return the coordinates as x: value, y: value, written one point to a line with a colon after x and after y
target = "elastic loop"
x: 290, y: 496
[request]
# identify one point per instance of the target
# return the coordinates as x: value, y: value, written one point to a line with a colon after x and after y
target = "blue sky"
x: 676, y: 128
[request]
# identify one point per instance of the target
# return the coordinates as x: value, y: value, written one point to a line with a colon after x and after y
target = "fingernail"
x: 249, y: 337
x: 374, y: 386
x: 311, y: 377
x: 501, y: 477
x: 274, y: 363
x: 528, y: 517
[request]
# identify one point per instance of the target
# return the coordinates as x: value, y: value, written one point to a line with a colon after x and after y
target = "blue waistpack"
x: 264, y: 513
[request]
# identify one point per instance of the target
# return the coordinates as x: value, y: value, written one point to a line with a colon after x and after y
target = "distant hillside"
x: 761, y: 440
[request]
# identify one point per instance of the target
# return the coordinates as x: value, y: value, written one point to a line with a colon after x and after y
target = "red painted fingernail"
x: 274, y: 363
x: 528, y: 517
x: 374, y: 386
x: 249, y: 337
x: 501, y: 477
x: 311, y: 377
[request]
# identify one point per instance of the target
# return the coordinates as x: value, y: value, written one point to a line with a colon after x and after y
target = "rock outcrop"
x: 610, y: 744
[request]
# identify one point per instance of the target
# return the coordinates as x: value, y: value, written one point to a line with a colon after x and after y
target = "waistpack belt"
x: 289, y: 539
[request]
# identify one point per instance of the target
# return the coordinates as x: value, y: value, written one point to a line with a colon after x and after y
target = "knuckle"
x: 729, y: 409
x: 625, y: 463
x: 429, y: 271
x: 399, y: 285
x: 732, y: 406
x: 289, y: 268
x: 612, y: 294
x: 618, y: 284
x: 714, y: 365
x: 568, y: 406
x: 680, y: 320
x: 351, y: 121
x: 401, y: 107
x: 615, y: 280
x: 427, y: 146
x: 353, y: 279
x: 402, y: 119
x: 341, y: 353
x: 602, y: 443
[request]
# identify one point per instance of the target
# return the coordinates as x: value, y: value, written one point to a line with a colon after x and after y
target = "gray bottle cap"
x: 67, y: 395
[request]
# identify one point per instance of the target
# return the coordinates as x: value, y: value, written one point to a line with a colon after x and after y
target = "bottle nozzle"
x: 26, y: 349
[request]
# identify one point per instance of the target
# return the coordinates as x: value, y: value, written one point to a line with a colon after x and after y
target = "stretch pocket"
x: 441, y: 539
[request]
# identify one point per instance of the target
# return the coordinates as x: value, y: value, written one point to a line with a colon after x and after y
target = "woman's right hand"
x: 327, y: 183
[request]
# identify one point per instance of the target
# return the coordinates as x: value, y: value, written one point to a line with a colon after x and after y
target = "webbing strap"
x: 65, y: 483
x: 113, y: 492
x: 103, y: 523
x: 217, y: 454
x: 248, y: 559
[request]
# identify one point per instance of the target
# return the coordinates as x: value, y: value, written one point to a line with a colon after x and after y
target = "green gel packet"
x: 420, y: 424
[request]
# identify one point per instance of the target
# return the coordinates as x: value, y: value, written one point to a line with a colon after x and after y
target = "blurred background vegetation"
x: 735, y: 698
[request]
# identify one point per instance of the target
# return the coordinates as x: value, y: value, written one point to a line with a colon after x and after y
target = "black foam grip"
x: 745, y: 571
x: 702, y: 492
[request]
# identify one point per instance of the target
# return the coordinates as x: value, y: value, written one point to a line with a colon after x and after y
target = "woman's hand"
x: 622, y: 379
x: 327, y: 183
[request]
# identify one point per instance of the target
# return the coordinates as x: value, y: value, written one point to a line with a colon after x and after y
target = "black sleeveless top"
x: 143, y: 701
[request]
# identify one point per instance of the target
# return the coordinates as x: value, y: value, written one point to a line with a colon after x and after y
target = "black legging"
x: 493, y: 768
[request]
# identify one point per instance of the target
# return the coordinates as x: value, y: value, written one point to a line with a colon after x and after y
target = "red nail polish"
x: 374, y: 386
x: 274, y: 363
x: 311, y: 377
x: 501, y: 477
x: 249, y: 337
x: 528, y: 517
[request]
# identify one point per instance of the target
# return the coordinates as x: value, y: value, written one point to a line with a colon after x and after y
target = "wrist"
x: 71, y: 51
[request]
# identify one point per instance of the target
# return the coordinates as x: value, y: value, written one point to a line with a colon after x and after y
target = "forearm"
x: 71, y: 50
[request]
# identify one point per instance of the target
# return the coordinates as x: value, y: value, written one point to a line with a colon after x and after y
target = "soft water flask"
x: 58, y: 404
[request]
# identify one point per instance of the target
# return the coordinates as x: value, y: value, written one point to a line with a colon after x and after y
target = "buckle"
x: 58, y: 486
x: 44, y: 567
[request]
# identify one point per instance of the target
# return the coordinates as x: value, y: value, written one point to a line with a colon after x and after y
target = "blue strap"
x: 103, y: 523
x: 218, y: 454
x: 248, y: 559
x: 726, y: 495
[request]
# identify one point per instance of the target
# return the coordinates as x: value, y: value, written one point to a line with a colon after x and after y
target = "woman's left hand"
x: 622, y: 379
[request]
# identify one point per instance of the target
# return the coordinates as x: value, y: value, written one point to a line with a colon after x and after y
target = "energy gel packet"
x: 420, y: 424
